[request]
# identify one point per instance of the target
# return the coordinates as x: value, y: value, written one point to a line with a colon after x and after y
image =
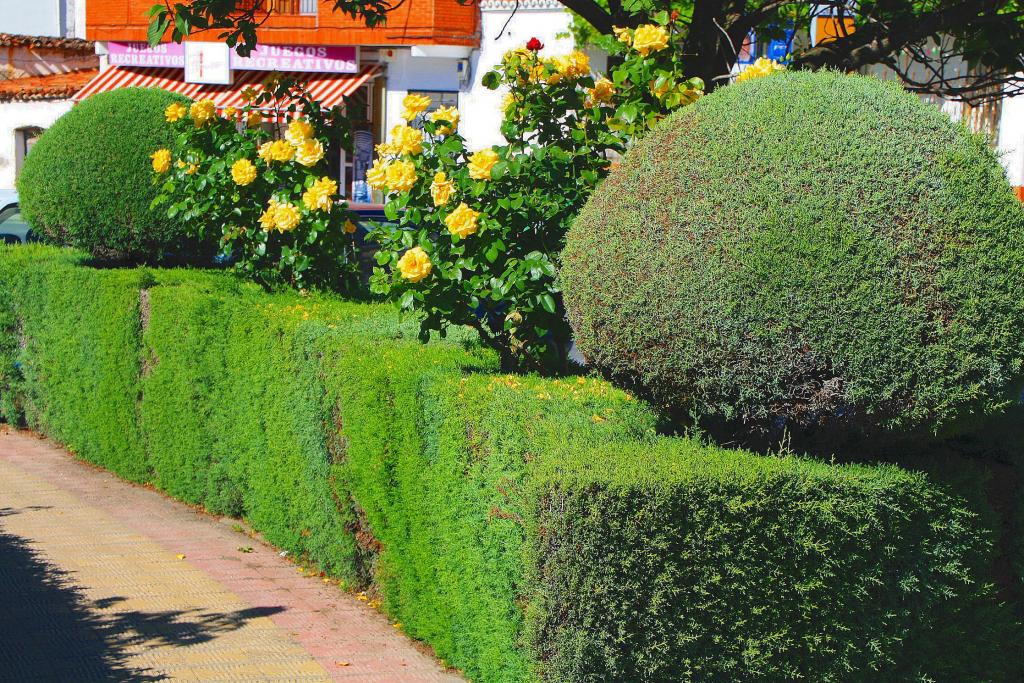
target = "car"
x: 13, y: 228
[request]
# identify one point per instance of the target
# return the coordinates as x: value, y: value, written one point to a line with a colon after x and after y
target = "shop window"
x: 24, y: 138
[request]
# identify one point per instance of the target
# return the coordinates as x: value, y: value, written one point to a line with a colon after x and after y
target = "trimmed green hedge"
x: 525, y: 528
x: 812, y: 249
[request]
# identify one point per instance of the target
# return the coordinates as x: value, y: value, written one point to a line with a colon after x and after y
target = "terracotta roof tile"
x: 51, y: 42
x: 52, y: 87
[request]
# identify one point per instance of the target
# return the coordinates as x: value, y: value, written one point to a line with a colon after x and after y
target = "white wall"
x: 480, y: 107
x: 14, y: 115
x: 1011, y: 139
x: 543, y: 19
x: 36, y: 17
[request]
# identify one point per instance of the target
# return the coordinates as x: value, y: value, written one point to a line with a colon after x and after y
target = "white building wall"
x: 60, y: 18
x: 1010, y: 143
x: 544, y: 19
x: 437, y: 68
x: 15, y: 115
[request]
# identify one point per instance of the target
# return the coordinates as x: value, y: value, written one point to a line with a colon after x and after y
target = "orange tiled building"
x: 439, y: 48
x: 312, y: 22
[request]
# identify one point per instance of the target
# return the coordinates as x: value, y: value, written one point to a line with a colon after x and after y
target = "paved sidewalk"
x: 103, y: 580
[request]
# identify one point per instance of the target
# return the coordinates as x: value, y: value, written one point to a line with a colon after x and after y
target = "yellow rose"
x: 441, y: 189
x: 406, y: 139
x: 309, y: 152
x: 450, y: 115
x: 249, y: 93
x: 481, y: 163
x: 349, y: 227
x: 414, y: 105
x: 268, y: 219
x: 415, y: 265
x: 299, y: 131
x: 320, y: 195
x: 175, y: 112
x: 286, y: 217
x: 376, y: 176
x: 254, y: 118
x: 602, y: 91
x: 264, y: 152
x: 401, y: 176
x: 281, y: 151
x: 243, y: 172
x: 202, y: 111
x: 229, y: 112
x: 623, y: 35
x: 192, y: 168
x: 462, y: 221
x: 761, y: 67
x: 507, y: 101
x: 161, y: 160
x: 650, y: 38
x: 385, y: 149
x: 574, y: 65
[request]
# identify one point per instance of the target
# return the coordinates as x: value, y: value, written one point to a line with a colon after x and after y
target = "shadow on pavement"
x: 49, y: 631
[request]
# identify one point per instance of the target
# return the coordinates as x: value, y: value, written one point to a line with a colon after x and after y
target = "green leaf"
x: 491, y: 80
x: 548, y: 302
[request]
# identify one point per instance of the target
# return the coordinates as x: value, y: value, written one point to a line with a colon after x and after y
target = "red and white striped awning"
x: 329, y: 89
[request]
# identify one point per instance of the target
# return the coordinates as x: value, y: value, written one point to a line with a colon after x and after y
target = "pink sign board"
x: 307, y: 58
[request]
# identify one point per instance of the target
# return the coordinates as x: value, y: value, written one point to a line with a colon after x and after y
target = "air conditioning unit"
x: 462, y: 68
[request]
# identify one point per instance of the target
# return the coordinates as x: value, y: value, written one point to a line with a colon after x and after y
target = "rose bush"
x: 265, y: 195
x: 475, y: 234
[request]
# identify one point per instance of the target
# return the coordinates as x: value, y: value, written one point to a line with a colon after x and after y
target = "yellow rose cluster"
x: 761, y: 67
x: 644, y: 39
x: 297, y: 144
x: 320, y: 195
x: 175, y: 112
x: 281, y: 216
x: 202, y: 112
x: 394, y: 176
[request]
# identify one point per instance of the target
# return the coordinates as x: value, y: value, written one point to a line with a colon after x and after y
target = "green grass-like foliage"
x: 88, y: 182
x: 807, y: 248
x: 527, y: 529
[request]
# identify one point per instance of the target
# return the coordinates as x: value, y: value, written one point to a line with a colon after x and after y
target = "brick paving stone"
x: 92, y: 589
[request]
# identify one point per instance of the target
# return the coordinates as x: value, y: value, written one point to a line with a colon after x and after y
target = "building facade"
x: 44, y: 61
x: 439, y: 48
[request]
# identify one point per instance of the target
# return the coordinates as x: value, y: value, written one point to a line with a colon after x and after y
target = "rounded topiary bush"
x: 805, y: 248
x: 88, y: 182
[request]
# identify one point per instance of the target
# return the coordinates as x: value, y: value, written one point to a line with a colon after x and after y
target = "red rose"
x: 534, y: 45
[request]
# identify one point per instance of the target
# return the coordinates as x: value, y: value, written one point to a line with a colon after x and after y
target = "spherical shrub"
x: 88, y: 180
x: 805, y: 249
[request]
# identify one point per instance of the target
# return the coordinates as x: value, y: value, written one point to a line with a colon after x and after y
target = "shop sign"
x: 207, y: 63
x: 308, y: 58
